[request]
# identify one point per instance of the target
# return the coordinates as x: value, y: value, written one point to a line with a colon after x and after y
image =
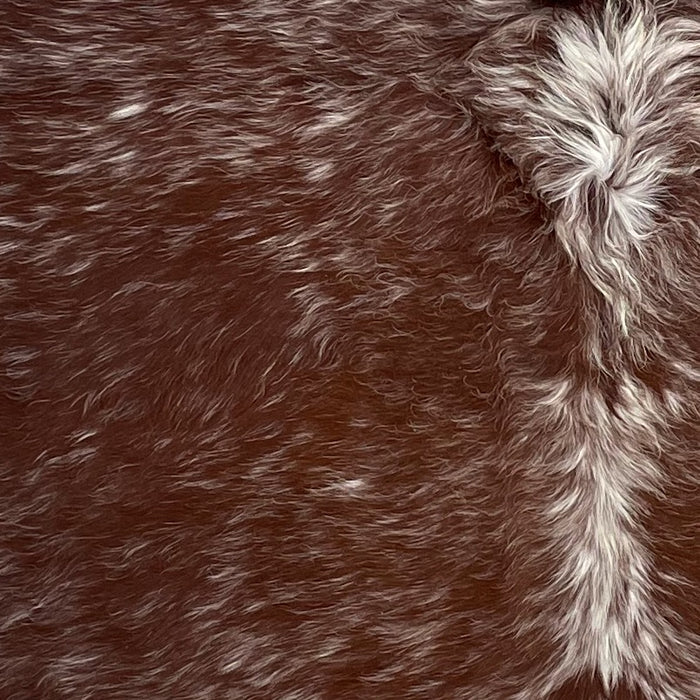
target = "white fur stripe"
x: 585, y: 128
x: 612, y: 623
x: 607, y: 205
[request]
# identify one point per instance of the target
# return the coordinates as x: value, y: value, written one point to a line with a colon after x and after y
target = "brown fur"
x: 309, y: 334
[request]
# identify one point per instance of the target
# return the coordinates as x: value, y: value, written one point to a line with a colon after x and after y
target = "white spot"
x: 352, y: 484
x: 121, y: 157
x: 346, y: 486
x: 319, y: 171
x: 128, y: 110
x: 331, y: 120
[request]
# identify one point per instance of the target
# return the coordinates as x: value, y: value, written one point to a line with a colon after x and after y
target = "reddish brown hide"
x: 349, y: 350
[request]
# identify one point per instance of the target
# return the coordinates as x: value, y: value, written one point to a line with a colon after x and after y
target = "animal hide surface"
x: 350, y: 350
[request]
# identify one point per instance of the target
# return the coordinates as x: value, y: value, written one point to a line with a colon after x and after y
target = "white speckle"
x: 121, y: 157
x: 352, y: 484
x: 77, y: 268
x: 319, y: 171
x: 128, y: 111
x: 331, y: 120
x: 95, y: 207
x: 84, y: 435
x: 344, y: 486
x: 351, y: 487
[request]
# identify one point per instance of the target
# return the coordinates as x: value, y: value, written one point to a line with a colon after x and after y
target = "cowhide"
x: 349, y: 349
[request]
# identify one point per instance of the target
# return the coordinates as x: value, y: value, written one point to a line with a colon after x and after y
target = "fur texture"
x: 350, y: 350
